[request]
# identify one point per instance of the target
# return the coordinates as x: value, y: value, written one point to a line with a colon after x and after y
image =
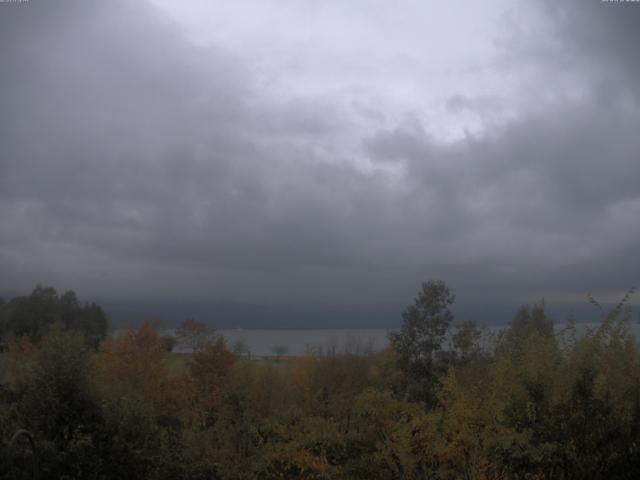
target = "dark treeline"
x: 445, y: 400
x: 34, y: 315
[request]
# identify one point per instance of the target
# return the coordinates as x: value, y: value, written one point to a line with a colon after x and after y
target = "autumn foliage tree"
x: 193, y: 335
x: 209, y: 369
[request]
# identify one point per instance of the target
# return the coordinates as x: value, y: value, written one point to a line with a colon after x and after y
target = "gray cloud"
x: 134, y: 163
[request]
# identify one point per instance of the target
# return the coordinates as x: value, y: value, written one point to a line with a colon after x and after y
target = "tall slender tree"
x: 425, y: 325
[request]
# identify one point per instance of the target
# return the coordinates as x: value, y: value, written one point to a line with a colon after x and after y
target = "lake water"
x: 298, y: 342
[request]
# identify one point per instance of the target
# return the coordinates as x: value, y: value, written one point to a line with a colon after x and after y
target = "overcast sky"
x: 291, y: 151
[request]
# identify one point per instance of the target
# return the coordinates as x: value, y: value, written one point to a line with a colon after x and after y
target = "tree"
x: 425, y: 324
x: 35, y: 314
x: 526, y: 323
x: 209, y: 367
x: 60, y: 407
x: 240, y: 348
x: 466, y: 340
x: 193, y: 335
x: 168, y: 342
x: 280, y: 351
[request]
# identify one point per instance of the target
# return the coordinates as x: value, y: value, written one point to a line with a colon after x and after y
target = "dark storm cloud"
x: 552, y: 195
x: 134, y: 163
x: 601, y: 37
x: 122, y: 139
x: 551, y: 201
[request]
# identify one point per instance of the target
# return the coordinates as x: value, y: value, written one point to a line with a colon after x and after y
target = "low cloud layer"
x: 135, y: 163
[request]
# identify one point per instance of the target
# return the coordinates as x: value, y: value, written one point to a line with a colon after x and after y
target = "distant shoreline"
x: 297, y: 342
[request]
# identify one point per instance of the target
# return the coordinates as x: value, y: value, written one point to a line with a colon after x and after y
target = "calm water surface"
x: 298, y: 342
